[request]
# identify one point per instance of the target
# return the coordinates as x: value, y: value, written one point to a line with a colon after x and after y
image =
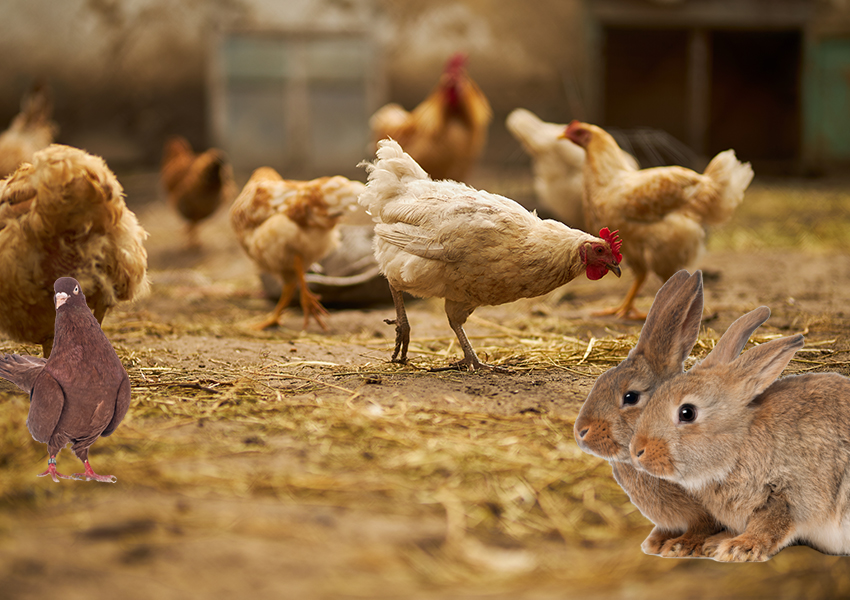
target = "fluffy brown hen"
x: 64, y: 216
x: 661, y: 212
x: 285, y: 226
x: 196, y: 184
x: 30, y: 130
x: 446, y: 133
x: 443, y: 239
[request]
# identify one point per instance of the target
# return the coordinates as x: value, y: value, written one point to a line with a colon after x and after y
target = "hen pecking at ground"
x: 443, y: 239
x: 64, y: 216
x: 285, y: 226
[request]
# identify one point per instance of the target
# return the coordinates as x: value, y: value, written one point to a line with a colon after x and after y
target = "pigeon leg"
x: 402, y: 327
x: 310, y: 304
x: 285, y: 297
x: 51, y: 470
x: 458, y: 314
x: 627, y: 309
x: 90, y: 475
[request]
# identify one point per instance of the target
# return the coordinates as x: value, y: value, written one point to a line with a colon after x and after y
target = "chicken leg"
x: 310, y: 304
x: 627, y: 309
x: 402, y: 327
x: 458, y: 314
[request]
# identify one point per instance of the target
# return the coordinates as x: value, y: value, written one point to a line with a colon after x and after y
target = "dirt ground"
x: 302, y: 464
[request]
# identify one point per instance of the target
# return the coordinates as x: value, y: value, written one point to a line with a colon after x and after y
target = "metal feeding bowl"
x: 349, y: 276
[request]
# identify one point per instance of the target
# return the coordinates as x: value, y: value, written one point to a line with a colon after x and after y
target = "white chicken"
x: 556, y: 164
x: 447, y: 240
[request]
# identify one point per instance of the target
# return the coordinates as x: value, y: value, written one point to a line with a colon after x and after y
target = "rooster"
x: 446, y: 133
x: 447, y: 240
x: 64, y: 216
x: 30, y: 130
x: 285, y: 226
x: 196, y: 184
x: 661, y: 212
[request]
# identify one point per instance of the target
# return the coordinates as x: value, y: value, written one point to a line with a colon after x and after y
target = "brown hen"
x: 64, y: 216
x: 446, y: 133
x: 285, y: 226
x: 196, y: 184
x: 30, y: 130
x: 661, y: 212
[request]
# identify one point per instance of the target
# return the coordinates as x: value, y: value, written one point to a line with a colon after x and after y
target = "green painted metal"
x: 827, y: 100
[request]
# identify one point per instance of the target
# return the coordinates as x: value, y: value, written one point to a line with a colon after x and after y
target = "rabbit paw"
x: 656, y: 540
x: 743, y: 548
x: 687, y: 544
x: 709, y: 547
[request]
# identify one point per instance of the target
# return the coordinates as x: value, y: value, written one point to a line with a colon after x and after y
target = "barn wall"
x: 128, y: 72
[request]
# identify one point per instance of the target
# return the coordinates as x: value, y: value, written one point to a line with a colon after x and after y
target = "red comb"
x: 613, y: 240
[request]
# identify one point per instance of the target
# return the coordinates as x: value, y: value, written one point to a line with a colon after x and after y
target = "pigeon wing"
x: 46, y: 403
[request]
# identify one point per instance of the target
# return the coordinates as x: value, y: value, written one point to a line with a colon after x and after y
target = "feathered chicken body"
x: 196, y: 184
x: 447, y: 132
x: 64, y: 215
x: 662, y: 212
x: 557, y: 164
x: 285, y: 226
x: 30, y: 130
x: 445, y: 239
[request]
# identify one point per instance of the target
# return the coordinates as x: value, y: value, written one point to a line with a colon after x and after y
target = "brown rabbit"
x: 606, y: 422
x: 769, y: 459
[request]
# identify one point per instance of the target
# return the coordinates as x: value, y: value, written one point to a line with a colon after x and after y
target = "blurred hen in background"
x: 557, y: 165
x: 285, y: 226
x: 447, y: 132
x: 64, y: 216
x: 196, y: 184
x: 30, y: 130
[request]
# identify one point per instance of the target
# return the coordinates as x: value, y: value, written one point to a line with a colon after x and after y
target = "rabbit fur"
x: 768, y: 458
x: 606, y: 421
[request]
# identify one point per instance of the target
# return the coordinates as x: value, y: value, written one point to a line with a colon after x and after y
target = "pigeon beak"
x: 59, y: 299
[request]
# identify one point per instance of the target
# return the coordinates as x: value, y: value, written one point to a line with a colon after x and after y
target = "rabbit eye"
x: 630, y: 398
x: 687, y: 413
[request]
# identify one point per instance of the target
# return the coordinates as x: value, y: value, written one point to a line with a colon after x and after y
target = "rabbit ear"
x: 759, y: 367
x: 672, y: 325
x: 731, y: 343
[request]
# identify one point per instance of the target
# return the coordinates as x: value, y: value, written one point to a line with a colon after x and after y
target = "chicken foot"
x: 310, y: 304
x: 402, y: 327
x: 627, y: 309
x: 458, y: 314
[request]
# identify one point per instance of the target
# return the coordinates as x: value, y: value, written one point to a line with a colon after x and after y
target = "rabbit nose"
x: 583, y: 432
x: 639, y: 453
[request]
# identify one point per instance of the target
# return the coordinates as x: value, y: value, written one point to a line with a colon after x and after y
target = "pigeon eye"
x: 76, y: 289
x: 687, y: 413
x: 630, y: 398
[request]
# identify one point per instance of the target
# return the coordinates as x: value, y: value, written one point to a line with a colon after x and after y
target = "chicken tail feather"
x: 731, y: 178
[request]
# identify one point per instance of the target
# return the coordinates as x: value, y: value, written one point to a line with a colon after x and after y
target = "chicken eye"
x: 598, y: 250
x: 630, y: 398
x: 687, y: 413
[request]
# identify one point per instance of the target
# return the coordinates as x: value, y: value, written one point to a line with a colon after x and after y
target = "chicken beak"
x: 615, y: 269
x: 59, y: 299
